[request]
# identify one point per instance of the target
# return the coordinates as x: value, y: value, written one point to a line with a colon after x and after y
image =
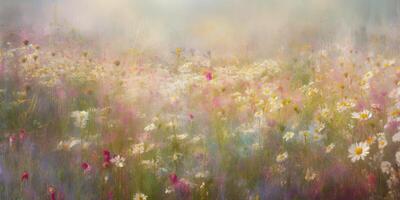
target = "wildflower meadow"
x: 308, y: 122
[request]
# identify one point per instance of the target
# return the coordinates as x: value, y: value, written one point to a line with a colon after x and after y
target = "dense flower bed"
x: 322, y: 125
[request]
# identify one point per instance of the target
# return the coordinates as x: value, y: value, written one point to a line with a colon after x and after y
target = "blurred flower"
x: 396, y: 137
x: 81, y: 118
x: 71, y: 143
x: 329, y: 148
x: 180, y: 186
x: 319, y: 127
x: 310, y: 175
x: 137, y: 148
x: 139, y: 196
x: 12, y: 139
x: 288, y: 135
x: 371, y: 140
x: 345, y: 104
x: 397, y: 155
x: 362, y: 116
x: 201, y: 174
x: 191, y: 116
x: 382, y: 142
x: 209, y: 75
x: 22, y: 134
x: 282, y: 157
x: 150, y: 164
x: 25, y: 176
x: 86, y: 167
x: 118, y: 161
x: 150, y: 127
x: 392, y: 181
x: 196, y: 139
x: 178, y: 137
x: 168, y: 190
x: 386, y: 167
x: 140, y: 148
x: 358, y: 151
x: 25, y: 42
x: 106, y: 158
x: 176, y: 156
x: 52, y: 191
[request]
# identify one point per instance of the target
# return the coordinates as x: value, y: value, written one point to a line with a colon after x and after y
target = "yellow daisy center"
x: 370, y: 140
x: 364, y: 115
x: 358, y: 151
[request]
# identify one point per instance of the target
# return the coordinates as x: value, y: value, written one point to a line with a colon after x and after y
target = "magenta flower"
x: 52, y: 192
x: 209, y: 76
x: 86, y: 167
x: 180, y: 186
x: 107, y: 158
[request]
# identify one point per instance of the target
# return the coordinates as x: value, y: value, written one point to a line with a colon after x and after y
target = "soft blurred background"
x: 253, y: 27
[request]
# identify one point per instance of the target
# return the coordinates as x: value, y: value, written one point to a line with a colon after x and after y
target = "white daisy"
x: 288, y: 135
x: 139, y: 196
x: 382, y: 142
x: 362, y: 116
x: 358, y: 151
x: 118, y: 161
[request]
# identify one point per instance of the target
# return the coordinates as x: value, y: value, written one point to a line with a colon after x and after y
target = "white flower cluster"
x: 81, y: 118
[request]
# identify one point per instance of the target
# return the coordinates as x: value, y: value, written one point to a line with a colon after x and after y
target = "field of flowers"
x: 318, y: 125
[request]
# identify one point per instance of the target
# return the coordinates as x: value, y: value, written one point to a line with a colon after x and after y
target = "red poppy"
x: 25, y: 176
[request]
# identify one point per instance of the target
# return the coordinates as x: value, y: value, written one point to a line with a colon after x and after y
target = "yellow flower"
x: 371, y: 139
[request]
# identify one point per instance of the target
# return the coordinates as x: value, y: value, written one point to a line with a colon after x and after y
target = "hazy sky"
x: 205, y: 24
